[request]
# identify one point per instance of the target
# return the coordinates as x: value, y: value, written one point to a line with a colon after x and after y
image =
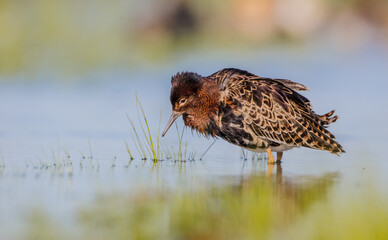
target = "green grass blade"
x: 128, y: 150
x: 140, y: 145
x: 149, y: 137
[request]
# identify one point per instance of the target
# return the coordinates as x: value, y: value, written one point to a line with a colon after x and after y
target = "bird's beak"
x: 173, y: 117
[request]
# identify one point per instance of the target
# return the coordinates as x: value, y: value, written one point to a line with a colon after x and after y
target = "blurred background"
x: 73, y: 37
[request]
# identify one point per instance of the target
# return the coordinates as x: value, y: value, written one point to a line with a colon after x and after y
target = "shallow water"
x: 84, y: 122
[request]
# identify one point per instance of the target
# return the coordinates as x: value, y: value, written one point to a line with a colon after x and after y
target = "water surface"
x: 82, y: 125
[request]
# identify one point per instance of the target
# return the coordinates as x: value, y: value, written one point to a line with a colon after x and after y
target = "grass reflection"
x: 253, y: 208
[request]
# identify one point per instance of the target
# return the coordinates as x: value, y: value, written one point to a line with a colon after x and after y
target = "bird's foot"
x: 279, y: 156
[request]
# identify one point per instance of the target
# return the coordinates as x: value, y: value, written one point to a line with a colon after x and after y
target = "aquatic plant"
x: 128, y: 150
x: 157, y: 150
x: 149, y: 146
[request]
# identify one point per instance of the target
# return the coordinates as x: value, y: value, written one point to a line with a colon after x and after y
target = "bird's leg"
x: 271, y: 160
x: 279, y: 157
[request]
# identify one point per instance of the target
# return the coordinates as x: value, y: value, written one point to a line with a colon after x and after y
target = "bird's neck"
x: 206, y: 108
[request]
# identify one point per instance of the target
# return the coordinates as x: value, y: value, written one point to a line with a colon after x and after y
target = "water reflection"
x: 279, y: 170
x: 251, y: 205
x: 254, y: 206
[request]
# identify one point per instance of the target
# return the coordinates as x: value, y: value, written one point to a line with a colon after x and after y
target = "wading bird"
x: 256, y: 113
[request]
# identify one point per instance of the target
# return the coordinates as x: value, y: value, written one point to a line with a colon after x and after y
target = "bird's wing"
x: 291, y: 84
x: 276, y: 112
x: 224, y: 75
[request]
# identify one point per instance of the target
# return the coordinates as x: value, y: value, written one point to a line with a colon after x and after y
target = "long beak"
x: 173, y: 117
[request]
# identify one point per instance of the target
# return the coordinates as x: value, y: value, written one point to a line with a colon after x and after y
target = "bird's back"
x: 270, y: 110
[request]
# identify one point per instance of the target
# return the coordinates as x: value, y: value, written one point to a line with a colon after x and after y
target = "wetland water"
x: 62, y: 143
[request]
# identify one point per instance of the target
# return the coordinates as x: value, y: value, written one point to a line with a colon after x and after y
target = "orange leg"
x: 271, y: 163
x: 271, y: 160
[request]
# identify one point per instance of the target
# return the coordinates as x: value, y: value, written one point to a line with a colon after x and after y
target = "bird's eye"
x: 182, y: 101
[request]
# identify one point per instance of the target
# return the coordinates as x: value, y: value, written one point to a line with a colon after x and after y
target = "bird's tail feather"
x: 327, y: 119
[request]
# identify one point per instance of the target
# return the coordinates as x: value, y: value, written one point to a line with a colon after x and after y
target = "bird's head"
x: 189, y: 97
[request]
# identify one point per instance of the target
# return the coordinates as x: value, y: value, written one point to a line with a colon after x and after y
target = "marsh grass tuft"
x: 151, y: 147
x: 181, y: 152
x: 136, y: 139
x: 155, y: 150
x: 58, y: 162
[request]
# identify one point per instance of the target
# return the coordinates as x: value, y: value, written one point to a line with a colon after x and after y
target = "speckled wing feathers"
x: 275, y: 112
